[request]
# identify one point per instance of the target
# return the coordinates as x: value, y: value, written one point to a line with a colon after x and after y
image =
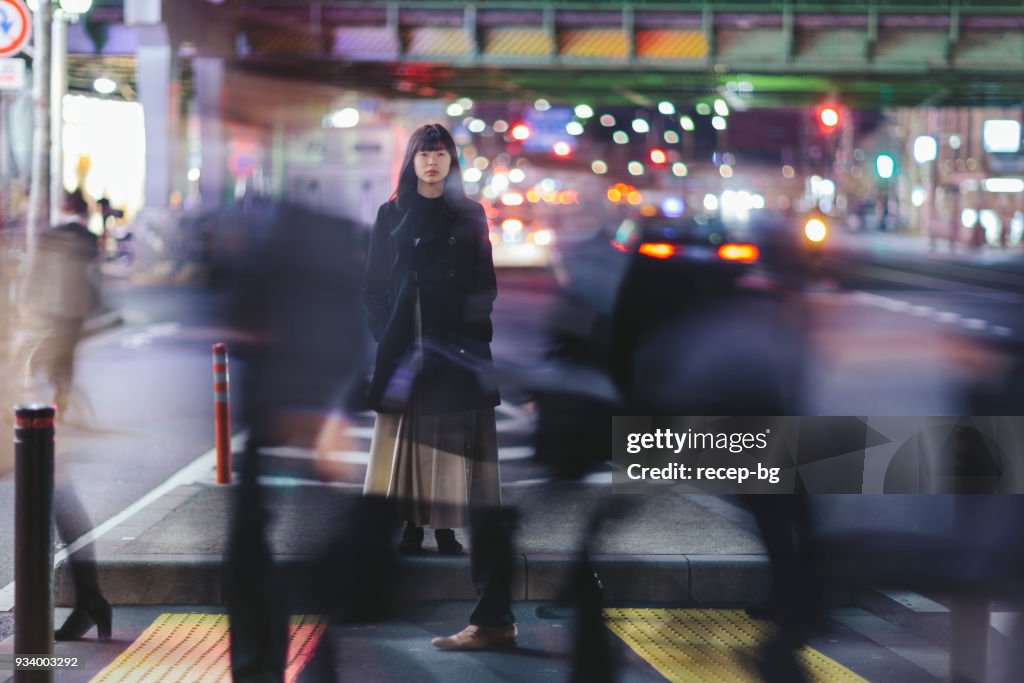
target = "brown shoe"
x: 475, y: 637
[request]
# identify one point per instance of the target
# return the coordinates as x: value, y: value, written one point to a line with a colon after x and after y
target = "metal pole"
x: 39, y: 194
x: 58, y: 86
x: 33, y: 537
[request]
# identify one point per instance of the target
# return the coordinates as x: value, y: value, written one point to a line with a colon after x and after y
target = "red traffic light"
x: 520, y: 131
x: 658, y: 156
x: 829, y: 117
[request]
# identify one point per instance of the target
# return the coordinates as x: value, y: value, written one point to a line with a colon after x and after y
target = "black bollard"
x: 33, y: 537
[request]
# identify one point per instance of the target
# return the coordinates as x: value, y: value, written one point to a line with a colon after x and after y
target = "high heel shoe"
x: 412, y: 540
x: 94, y: 612
x: 446, y: 543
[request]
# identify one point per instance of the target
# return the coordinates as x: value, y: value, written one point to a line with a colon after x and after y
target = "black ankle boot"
x: 412, y: 540
x: 446, y: 543
x: 88, y: 612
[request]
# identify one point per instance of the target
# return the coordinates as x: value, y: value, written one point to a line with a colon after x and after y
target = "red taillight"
x: 657, y: 249
x: 744, y: 253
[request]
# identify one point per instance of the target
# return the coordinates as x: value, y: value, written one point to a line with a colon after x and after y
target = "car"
x: 698, y: 250
x: 519, y: 239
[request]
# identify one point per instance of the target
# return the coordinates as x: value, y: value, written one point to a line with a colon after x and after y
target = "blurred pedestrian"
x: 298, y: 306
x: 429, y: 291
x: 62, y: 290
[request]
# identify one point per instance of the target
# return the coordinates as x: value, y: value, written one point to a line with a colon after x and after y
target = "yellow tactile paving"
x: 194, y: 648
x: 703, y: 645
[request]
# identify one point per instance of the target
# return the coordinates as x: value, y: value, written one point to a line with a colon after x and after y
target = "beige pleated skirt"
x: 435, y: 466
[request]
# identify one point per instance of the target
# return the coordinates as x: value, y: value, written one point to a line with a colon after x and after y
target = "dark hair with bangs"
x: 428, y: 138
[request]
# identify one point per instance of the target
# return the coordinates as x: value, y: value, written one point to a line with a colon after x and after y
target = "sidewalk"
x: 884, y: 245
x: 685, y: 549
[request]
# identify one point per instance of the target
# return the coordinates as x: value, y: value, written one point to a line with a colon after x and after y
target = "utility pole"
x: 58, y: 86
x: 39, y: 194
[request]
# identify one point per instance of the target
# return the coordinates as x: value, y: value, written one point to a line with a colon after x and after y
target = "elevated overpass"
x: 908, y: 52
x: 768, y: 52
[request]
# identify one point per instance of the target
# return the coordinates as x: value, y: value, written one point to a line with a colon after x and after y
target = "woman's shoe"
x: 412, y: 540
x: 446, y: 543
x: 96, y: 612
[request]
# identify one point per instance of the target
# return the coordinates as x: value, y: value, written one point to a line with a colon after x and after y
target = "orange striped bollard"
x: 222, y: 412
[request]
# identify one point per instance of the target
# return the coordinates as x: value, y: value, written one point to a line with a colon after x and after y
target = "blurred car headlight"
x: 512, y: 226
x: 543, y: 238
x: 815, y: 230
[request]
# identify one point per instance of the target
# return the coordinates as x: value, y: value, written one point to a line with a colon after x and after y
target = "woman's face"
x: 432, y: 166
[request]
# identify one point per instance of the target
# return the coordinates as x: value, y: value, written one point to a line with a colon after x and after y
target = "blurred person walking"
x: 62, y: 290
x: 299, y: 309
x: 429, y: 291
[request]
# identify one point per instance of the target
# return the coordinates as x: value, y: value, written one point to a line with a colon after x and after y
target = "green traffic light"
x: 885, y: 166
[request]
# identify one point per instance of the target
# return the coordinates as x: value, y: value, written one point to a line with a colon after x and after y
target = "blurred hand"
x: 331, y: 441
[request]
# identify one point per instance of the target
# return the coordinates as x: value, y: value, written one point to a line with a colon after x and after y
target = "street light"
x: 104, y: 86
x: 76, y: 6
x: 926, y: 149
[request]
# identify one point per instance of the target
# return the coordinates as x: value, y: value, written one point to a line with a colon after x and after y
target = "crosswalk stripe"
x: 363, y: 458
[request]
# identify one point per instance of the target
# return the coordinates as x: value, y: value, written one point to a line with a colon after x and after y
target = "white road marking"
x: 1004, y: 622
x: 945, y: 317
x: 914, y: 601
x: 198, y: 470
x: 362, y: 457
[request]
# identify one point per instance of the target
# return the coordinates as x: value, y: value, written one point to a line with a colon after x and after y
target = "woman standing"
x: 429, y: 290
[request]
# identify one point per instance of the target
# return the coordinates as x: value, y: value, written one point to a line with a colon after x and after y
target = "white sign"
x: 15, y: 27
x: 12, y: 74
x: 1001, y: 136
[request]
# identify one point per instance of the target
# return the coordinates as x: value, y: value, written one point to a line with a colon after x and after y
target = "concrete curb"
x: 135, y: 568
x: 678, y: 579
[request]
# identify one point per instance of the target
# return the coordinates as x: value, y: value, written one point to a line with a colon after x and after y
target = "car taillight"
x: 744, y: 253
x: 657, y: 249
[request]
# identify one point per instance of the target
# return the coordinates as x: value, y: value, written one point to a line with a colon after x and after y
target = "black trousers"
x: 492, y: 561
x: 353, y: 579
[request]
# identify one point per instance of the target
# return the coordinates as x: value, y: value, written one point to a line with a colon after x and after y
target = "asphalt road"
x: 885, y: 339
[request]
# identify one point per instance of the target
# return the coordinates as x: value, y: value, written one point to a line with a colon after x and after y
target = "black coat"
x: 451, y: 273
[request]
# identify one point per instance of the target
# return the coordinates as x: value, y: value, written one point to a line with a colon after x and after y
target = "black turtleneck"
x: 426, y: 213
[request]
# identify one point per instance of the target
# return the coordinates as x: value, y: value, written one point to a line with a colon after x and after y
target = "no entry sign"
x: 15, y: 27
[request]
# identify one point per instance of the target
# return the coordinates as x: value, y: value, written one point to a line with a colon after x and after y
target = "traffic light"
x: 658, y: 156
x: 885, y: 166
x: 520, y: 131
x: 829, y: 117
